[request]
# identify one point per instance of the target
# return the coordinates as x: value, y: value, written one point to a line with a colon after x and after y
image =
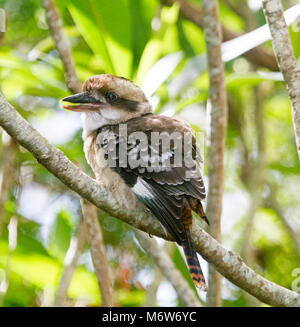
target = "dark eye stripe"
x: 113, y: 98
x: 129, y: 105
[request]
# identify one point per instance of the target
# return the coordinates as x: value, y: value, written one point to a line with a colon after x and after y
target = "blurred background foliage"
x: 165, y: 54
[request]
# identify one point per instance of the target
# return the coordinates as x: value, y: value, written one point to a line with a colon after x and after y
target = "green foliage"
x: 119, y: 48
x: 276, y: 254
x: 166, y: 55
x: 60, y: 236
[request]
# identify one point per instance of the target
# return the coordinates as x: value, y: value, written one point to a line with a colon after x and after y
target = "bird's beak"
x: 84, y: 102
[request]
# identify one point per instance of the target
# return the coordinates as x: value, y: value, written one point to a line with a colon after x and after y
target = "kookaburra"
x: 142, y: 167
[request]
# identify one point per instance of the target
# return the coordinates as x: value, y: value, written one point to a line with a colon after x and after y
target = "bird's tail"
x: 188, y: 247
x: 193, y: 263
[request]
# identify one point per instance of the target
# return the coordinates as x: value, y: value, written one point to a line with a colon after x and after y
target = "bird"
x: 142, y: 168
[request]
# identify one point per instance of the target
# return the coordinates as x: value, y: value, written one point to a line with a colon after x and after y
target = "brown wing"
x: 161, y: 186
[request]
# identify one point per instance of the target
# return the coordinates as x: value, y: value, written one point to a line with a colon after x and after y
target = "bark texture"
x: 8, y: 171
x: 70, y: 264
x: 61, y: 44
x: 2, y: 25
x: 218, y: 119
x: 95, y: 238
x: 285, y: 56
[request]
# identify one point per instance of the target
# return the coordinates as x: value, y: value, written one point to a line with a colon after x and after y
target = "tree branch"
x: 285, y: 56
x: 95, y: 239
x: 226, y: 262
x: 8, y: 172
x: 61, y: 44
x: 258, y: 55
x: 70, y: 264
x: 2, y: 25
x: 242, y: 9
x: 213, y: 38
x: 150, y: 300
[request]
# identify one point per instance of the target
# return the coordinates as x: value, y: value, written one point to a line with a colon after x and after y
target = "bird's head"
x: 108, y: 100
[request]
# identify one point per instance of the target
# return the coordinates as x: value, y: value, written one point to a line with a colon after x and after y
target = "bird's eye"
x: 111, y: 96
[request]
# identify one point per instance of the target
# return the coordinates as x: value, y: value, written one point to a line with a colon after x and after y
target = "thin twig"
x: 61, y: 44
x: 242, y: 9
x: 8, y: 171
x: 226, y: 262
x: 285, y: 56
x: 218, y: 119
x: 163, y: 261
x: 150, y: 300
x: 70, y: 264
x: 272, y: 202
x: 101, y: 266
x: 2, y: 25
x: 255, y: 181
x: 258, y: 55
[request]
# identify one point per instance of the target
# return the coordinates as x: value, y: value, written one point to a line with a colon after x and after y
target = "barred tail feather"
x: 193, y: 264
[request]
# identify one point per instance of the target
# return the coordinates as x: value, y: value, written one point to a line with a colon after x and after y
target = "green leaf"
x: 160, y: 72
x: 43, y: 272
x: 60, y: 236
x: 251, y: 78
x: 150, y: 55
x: 295, y: 37
x: 194, y: 36
x: 142, y: 13
x: 96, y: 21
x: 130, y: 298
x: 20, y: 76
x: 181, y: 105
x: 170, y: 15
x: 46, y: 44
x: 192, y: 70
